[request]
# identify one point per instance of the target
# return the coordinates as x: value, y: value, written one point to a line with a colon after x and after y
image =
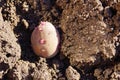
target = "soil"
x: 89, y: 45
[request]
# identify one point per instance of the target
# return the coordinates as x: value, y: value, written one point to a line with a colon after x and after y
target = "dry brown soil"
x: 89, y: 45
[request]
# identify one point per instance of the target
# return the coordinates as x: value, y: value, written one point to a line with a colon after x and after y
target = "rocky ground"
x: 89, y: 47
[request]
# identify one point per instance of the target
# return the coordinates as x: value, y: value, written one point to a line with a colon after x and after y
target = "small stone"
x: 25, y: 6
x: 72, y: 74
x: 26, y: 24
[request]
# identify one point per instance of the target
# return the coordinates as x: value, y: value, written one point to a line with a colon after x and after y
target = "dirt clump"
x: 72, y: 74
x: 10, y: 50
x: 87, y: 41
x: 109, y: 73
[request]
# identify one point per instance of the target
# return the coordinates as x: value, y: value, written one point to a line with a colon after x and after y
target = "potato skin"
x: 45, y: 40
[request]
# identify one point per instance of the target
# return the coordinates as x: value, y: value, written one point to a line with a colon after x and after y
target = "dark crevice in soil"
x: 24, y: 41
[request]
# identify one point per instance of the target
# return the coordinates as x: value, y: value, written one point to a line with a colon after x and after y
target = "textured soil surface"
x: 89, y: 45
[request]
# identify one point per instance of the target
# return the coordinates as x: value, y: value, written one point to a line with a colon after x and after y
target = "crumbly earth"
x: 90, y: 39
x: 87, y: 41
